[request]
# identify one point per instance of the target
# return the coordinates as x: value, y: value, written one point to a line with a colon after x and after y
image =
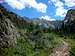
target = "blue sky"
x: 46, y: 9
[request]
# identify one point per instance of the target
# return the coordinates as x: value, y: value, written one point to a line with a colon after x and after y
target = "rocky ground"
x: 63, y: 50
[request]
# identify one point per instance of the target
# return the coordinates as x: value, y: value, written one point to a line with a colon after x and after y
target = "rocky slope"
x: 69, y: 21
x: 8, y: 32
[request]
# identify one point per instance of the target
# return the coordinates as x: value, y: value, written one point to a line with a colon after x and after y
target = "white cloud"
x: 48, y: 18
x: 55, y: 1
x: 59, y: 4
x: 41, y: 7
x: 70, y: 3
x: 21, y: 4
x: 60, y: 10
x: 15, y: 4
x: 49, y: 1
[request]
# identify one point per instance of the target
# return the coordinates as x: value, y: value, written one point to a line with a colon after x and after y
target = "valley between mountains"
x: 21, y: 36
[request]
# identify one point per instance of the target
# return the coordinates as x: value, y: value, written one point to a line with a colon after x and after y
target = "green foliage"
x: 33, y: 45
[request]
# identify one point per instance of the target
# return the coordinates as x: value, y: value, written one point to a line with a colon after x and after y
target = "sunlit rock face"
x: 8, y: 32
x: 69, y: 22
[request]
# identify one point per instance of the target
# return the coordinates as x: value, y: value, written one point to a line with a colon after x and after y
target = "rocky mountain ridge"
x: 69, y: 21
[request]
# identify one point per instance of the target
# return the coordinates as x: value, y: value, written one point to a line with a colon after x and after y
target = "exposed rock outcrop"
x: 69, y: 21
x: 8, y: 32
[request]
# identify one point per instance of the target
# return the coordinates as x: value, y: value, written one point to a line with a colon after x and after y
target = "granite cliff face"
x: 69, y: 21
x: 8, y: 32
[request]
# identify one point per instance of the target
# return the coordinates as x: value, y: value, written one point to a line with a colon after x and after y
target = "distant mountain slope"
x: 48, y: 24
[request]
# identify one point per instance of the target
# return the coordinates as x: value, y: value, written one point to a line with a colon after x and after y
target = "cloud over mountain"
x: 48, y: 18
